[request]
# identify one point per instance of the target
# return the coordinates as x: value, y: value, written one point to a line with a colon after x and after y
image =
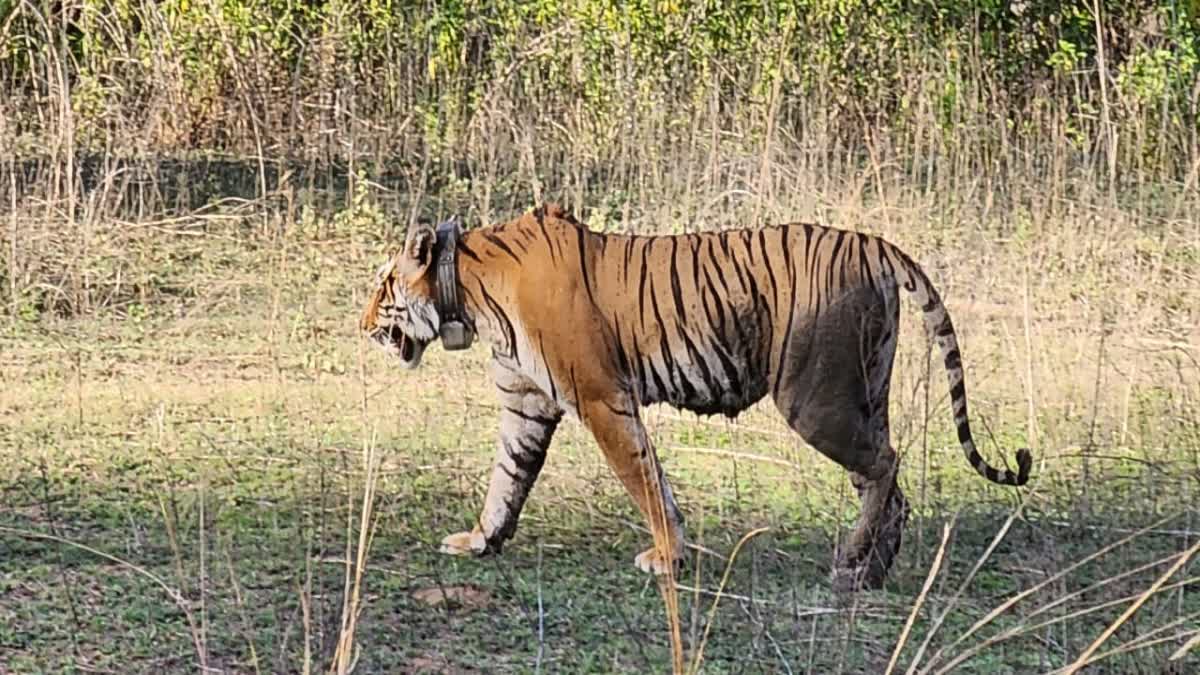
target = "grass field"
x: 210, y: 471
x: 204, y: 469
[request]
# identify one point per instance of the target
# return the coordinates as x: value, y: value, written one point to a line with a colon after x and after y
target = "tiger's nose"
x: 367, y: 323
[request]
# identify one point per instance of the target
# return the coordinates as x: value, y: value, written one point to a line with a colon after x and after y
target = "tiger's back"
x: 709, y: 322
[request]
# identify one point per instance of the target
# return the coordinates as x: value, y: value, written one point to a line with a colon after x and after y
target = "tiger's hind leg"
x: 866, y: 555
x: 528, y: 419
x: 832, y: 388
x: 863, y: 560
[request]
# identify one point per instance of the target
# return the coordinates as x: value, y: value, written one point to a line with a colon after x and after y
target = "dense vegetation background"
x: 592, y: 93
x: 491, y: 106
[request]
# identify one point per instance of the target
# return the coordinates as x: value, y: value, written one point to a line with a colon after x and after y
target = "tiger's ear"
x: 419, y: 246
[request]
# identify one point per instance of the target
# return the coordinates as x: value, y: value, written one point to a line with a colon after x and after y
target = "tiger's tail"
x: 939, y: 328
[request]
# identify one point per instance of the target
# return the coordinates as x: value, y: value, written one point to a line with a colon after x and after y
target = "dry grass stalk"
x: 1007, y: 604
x: 304, y: 592
x: 194, y: 626
x: 1028, y: 629
x: 666, y: 551
x: 983, y: 558
x: 1187, y: 647
x: 698, y: 658
x: 241, y: 607
x: 1085, y: 657
x: 346, y: 653
x: 739, y: 455
x: 1147, y: 639
x: 916, y: 609
x: 173, y: 593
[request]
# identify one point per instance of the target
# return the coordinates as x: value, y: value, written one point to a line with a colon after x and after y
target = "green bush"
x: 409, y: 80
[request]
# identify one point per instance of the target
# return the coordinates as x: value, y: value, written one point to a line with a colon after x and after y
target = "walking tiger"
x: 600, y: 325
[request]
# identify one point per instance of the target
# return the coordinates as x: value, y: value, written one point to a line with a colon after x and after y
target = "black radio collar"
x: 455, y: 329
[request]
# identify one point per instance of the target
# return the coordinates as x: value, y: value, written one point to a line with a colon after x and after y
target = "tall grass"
x: 476, y: 102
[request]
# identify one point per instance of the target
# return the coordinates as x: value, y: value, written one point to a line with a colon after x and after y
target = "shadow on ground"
x: 261, y: 578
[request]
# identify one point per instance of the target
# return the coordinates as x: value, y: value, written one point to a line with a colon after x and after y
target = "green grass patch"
x: 178, y: 488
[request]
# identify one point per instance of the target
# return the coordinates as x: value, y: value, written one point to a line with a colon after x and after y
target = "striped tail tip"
x: 1024, y: 464
x: 1005, y: 476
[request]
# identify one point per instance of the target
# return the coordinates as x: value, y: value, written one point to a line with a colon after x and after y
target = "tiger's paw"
x: 851, y: 575
x: 854, y: 578
x: 652, y: 561
x: 471, y: 543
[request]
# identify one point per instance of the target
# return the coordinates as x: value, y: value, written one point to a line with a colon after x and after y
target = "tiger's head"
x: 401, y: 315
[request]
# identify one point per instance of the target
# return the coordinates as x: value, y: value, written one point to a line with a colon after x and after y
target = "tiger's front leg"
x: 528, y: 419
x: 618, y: 430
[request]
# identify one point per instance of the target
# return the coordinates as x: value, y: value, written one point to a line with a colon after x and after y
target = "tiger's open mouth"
x: 396, y: 343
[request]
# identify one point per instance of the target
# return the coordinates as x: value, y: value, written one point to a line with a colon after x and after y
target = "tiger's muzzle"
x: 395, y: 342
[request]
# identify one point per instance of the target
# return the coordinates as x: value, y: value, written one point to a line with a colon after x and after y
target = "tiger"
x: 598, y: 326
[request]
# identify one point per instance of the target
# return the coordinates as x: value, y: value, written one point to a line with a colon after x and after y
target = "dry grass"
x: 242, y: 396
x: 201, y: 469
